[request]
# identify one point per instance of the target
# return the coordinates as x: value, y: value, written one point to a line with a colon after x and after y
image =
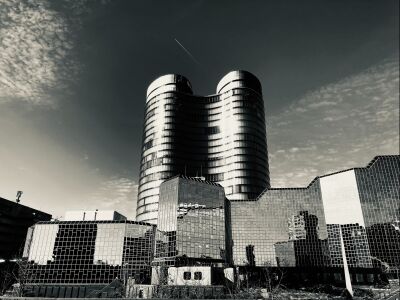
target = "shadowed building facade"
x: 15, y: 219
x: 221, y: 137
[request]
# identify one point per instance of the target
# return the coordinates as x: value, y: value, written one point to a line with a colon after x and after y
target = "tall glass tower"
x: 220, y: 137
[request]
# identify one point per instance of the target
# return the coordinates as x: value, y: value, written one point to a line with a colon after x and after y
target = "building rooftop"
x: 93, y: 215
x: 13, y: 208
x: 369, y: 165
x: 98, y: 222
x: 15, y: 219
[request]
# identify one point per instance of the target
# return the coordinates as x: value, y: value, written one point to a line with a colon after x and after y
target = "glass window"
x: 198, y: 275
x: 187, y: 275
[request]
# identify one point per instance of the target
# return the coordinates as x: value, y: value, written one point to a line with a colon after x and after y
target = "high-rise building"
x: 221, y: 137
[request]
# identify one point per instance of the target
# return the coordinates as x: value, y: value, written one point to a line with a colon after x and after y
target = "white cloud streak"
x: 116, y: 193
x: 342, y: 125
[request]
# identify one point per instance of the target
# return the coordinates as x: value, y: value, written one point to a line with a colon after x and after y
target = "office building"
x: 221, y: 137
x: 87, y: 258
x: 15, y: 219
x: 303, y: 227
x: 191, y: 224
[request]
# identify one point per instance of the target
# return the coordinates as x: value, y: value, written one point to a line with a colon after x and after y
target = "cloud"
x: 36, y: 45
x: 116, y: 193
x: 341, y: 125
x: 56, y: 177
x: 322, y: 104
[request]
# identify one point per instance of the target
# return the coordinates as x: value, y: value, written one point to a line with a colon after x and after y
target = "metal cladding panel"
x: 193, y: 276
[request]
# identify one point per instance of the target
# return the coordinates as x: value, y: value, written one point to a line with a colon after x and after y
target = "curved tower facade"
x: 221, y: 137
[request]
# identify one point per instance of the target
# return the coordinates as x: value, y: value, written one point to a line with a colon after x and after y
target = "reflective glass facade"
x: 221, y: 137
x: 379, y: 189
x: 304, y: 226
x: 89, y: 252
x: 283, y: 225
x: 191, y: 223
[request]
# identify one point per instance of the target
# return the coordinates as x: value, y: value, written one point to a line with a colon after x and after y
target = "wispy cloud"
x: 36, y: 61
x: 341, y: 125
x: 116, y: 193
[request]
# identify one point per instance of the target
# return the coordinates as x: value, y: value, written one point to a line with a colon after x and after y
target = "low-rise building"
x: 87, y: 258
x: 15, y: 219
x: 191, y: 226
x: 303, y: 227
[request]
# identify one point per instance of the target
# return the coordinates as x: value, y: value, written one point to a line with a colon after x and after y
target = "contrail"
x: 188, y: 53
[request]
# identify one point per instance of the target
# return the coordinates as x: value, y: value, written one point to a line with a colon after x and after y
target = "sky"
x: 74, y: 73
